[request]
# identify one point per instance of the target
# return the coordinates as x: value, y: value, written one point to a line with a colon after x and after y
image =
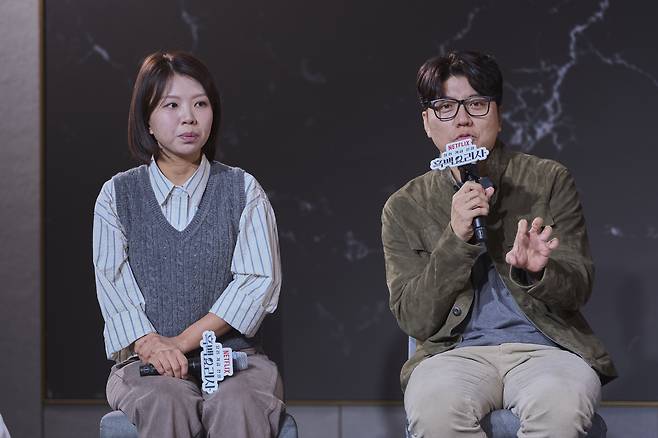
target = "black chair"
x: 117, y: 425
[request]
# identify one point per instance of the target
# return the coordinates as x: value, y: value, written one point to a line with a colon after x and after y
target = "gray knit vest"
x: 182, y: 273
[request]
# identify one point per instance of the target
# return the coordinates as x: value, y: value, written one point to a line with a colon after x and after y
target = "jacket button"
x: 456, y: 311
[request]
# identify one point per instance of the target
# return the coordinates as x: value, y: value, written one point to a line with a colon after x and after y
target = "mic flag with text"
x: 464, y: 155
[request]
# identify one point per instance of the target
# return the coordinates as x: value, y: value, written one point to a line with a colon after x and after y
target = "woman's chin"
x: 192, y: 154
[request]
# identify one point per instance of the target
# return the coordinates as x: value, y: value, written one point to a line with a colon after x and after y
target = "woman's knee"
x: 169, y: 394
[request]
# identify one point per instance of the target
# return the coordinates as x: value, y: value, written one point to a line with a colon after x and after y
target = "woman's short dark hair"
x: 479, y: 69
x: 154, y: 75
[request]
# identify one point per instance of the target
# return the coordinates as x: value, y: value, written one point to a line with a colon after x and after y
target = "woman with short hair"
x: 183, y: 244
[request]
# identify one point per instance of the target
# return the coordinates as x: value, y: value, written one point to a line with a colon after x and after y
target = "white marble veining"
x: 336, y: 332
x: 447, y: 45
x: 309, y: 75
x: 100, y: 52
x: 538, y: 109
x: 192, y: 22
x: 617, y: 59
x: 530, y: 126
x: 614, y: 231
x: 372, y: 315
x: 355, y: 249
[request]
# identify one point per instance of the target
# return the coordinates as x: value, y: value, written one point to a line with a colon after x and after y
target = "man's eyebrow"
x: 454, y: 98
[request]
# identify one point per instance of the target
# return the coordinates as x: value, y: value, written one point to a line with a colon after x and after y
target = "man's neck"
x: 456, y: 175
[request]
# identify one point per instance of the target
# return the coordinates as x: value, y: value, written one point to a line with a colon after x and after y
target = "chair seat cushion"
x: 502, y: 423
x: 116, y: 425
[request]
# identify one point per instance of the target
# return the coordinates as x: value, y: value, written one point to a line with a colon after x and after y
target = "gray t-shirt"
x: 495, y: 318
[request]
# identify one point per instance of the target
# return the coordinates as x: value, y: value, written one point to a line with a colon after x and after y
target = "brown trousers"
x: 246, y: 405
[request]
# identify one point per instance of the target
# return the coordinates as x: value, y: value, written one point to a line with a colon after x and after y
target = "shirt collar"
x: 194, y: 186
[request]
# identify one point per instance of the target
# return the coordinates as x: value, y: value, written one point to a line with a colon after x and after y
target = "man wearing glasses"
x: 497, y: 322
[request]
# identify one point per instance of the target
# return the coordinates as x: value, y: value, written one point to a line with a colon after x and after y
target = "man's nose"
x: 463, y: 118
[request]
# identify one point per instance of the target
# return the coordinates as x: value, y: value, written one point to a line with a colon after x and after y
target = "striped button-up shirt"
x: 256, y: 266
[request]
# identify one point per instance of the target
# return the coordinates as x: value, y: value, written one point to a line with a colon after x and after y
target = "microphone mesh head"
x: 240, y: 360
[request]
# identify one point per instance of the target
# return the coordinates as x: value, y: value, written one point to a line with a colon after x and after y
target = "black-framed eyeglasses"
x: 446, y: 109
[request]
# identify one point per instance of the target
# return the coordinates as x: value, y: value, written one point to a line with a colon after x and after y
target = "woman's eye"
x: 171, y: 105
x: 202, y: 103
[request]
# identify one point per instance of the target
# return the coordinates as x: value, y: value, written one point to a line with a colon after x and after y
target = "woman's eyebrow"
x: 173, y: 96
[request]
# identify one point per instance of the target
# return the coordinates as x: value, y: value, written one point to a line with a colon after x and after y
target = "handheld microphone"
x: 469, y: 172
x: 464, y: 155
x: 194, y: 365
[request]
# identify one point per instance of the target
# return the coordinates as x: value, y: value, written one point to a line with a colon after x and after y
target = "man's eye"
x: 477, y: 104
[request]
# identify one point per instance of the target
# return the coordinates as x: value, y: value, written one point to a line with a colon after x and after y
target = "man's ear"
x: 500, y: 118
x: 426, y: 124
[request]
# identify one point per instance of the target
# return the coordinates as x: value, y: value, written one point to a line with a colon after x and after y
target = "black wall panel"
x: 319, y: 104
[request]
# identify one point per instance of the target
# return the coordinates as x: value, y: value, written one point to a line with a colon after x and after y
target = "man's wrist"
x: 465, y: 238
x: 534, y: 277
x: 524, y: 278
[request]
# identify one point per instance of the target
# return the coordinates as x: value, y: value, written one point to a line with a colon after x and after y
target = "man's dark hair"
x: 479, y: 69
x: 151, y: 83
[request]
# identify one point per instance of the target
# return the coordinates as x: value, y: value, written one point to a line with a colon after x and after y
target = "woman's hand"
x: 164, y: 353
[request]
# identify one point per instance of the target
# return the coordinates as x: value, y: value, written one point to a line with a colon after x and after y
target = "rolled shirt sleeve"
x: 119, y: 297
x: 256, y: 266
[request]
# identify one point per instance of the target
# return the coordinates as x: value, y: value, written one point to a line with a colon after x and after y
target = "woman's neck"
x: 177, y: 169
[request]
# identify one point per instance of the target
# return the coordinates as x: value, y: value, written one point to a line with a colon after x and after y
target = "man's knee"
x: 438, y: 413
x: 558, y: 409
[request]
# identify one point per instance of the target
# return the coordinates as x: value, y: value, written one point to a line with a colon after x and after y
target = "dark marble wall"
x: 319, y: 104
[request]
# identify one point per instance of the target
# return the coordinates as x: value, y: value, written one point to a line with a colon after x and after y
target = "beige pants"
x: 246, y: 405
x: 553, y: 392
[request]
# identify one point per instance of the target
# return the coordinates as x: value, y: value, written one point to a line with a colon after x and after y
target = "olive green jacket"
x: 428, y: 268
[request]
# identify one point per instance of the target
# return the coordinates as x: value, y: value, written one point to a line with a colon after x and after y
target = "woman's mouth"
x: 189, y: 136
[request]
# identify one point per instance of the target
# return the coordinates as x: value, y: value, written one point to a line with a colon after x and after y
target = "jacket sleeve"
x: 423, y: 284
x: 567, y: 280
